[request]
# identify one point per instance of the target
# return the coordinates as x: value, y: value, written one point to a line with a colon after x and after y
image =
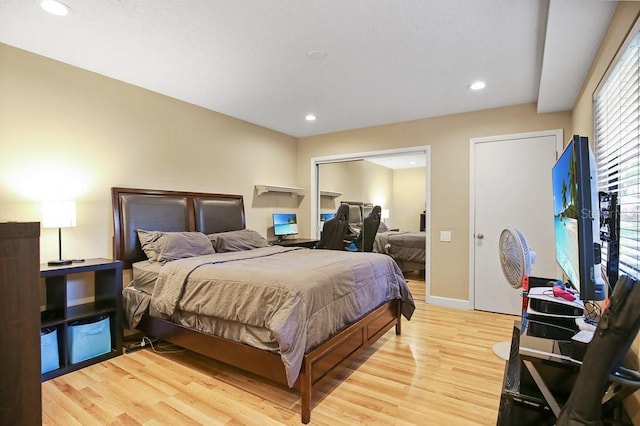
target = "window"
x: 617, y: 145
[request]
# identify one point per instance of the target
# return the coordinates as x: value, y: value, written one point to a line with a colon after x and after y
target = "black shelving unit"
x: 107, y: 281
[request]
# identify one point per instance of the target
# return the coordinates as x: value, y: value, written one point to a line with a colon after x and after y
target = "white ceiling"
x: 375, y: 62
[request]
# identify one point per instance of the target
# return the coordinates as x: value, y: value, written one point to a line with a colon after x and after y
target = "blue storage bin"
x: 50, y: 359
x: 89, y: 338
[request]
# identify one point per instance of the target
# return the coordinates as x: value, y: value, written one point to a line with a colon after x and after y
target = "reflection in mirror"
x: 398, y: 182
x: 392, y: 183
x: 344, y: 178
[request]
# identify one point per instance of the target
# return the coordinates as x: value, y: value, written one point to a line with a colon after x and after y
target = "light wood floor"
x: 440, y: 371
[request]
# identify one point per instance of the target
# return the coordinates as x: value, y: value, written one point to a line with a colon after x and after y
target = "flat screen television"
x: 284, y: 224
x: 577, y: 219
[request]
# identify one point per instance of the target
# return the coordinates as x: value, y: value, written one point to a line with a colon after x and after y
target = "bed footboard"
x: 332, y: 356
x: 325, y: 361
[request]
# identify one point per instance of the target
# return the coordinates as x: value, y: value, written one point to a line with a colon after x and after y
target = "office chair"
x: 334, y: 230
x: 601, y: 365
x: 370, y: 226
x: 355, y: 213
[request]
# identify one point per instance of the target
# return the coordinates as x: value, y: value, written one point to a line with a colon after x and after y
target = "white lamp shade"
x: 384, y: 214
x: 58, y: 214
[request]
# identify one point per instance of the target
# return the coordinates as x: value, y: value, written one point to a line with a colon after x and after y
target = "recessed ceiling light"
x: 310, y: 117
x: 477, y: 85
x: 55, y: 7
x: 317, y: 54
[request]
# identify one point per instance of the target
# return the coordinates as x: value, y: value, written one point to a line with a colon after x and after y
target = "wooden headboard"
x: 160, y: 210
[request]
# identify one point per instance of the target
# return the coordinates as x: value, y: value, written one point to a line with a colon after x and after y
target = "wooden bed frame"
x: 161, y: 210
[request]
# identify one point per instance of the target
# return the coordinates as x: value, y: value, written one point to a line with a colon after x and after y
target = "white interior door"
x: 511, y: 187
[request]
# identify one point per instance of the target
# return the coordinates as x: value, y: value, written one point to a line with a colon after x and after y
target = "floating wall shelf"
x: 287, y: 189
x: 331, y: 194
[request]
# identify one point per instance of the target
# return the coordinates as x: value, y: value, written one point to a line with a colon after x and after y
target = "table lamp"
x: 59, y: 214
x: 384, y: 215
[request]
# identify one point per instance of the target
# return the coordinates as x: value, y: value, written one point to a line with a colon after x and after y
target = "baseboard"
x: 450, y: 303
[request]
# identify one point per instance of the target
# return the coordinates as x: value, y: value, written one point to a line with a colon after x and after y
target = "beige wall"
x: 345, y: 177
x: 449, y: 138
x: 58, y: 121
x: 409, y: 189
x: 378, y: 184
x: 357, y: 181
x: 400, y: 191
x: 70, y: 133
x: 622, y: 22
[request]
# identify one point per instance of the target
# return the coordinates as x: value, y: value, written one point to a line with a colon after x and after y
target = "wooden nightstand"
x: 107, y: 277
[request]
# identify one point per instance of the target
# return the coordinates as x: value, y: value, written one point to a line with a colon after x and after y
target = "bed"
x: 304, y: 334
x: 408, y: 249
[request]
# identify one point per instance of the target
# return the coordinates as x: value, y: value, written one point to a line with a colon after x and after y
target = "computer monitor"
x: 577, y: 219
x: 326, y: 216
x: 284, y: 224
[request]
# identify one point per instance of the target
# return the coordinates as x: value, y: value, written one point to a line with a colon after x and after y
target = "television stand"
x: 541, y: 370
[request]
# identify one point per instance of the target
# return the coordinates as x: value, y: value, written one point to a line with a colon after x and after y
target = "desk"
x: 532, y: 359
x: 296, y: 242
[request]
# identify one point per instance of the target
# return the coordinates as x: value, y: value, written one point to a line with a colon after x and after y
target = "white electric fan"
x: 516, y: 260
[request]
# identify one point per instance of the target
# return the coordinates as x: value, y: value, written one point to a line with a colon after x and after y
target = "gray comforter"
x: 402, y: 246
x: 301, y: 296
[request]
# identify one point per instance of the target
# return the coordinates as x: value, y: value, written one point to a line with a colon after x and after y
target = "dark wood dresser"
x: 20, y: 394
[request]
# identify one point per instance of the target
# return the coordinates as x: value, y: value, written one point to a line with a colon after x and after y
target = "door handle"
x: 480, y: 236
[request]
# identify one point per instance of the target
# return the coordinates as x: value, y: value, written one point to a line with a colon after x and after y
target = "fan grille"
x: 514, y: 256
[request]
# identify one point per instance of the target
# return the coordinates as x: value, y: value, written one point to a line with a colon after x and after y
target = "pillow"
x: 167, y: 246
x: 383, y: 227
x: 244, y: 239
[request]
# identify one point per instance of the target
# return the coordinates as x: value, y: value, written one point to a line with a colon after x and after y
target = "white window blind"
x: 617, y: 143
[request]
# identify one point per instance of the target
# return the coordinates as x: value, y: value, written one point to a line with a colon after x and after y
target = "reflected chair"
x: 334, y: 230
x: 370, y: 226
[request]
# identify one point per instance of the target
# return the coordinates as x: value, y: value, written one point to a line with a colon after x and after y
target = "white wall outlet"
x: 445, y: 235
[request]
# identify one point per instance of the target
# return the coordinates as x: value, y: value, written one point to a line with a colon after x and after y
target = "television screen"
x: 285, y: 224
x: 576, y: 219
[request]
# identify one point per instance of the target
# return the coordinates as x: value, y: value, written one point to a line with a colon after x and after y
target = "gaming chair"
x: 601, y: 364
x: 370, y: 226
x: 334, y: 230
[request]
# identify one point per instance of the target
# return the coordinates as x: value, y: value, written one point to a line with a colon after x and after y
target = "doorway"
x: 326, y: 196
x: 510, y: 186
